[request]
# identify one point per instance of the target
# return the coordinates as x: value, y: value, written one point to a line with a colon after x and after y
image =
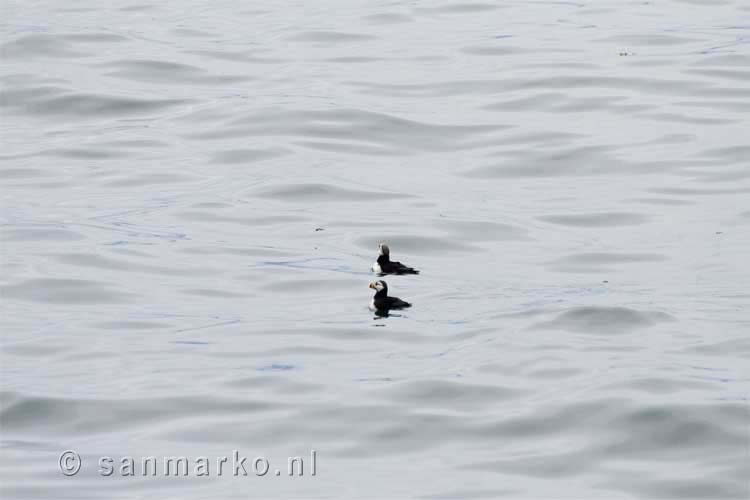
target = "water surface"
x: 193, y: 194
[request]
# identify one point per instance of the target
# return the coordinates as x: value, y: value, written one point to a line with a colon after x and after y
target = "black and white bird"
x: 381, y: 301
x: 384, y: 264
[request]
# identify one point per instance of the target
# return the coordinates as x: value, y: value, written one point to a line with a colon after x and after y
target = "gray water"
x: 192, y: 195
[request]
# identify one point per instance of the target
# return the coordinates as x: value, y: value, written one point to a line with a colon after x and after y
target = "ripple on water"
x: 577, y: 161
x: 413, y: 244
x: 594, y: 262
x: 242, y: 156
x: 388, y: 18
x: 599, y: 220
x: 64, y: 291
x: 351, y: 131
x: 604, y: 320
x: 324, y: 192
x: 325, y: 38
x: 40, y: 45
x: 40, y: 234
x: 468, y: 230
x: 58, y: 101
x: 167, y: 72
x: 460, y: 8
x: 81, y: 416
x: 451, y: 396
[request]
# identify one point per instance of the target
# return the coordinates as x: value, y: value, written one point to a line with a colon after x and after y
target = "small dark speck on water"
x: 319, y: 229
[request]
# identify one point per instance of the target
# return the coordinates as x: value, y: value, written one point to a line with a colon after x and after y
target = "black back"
x: 390, y: 267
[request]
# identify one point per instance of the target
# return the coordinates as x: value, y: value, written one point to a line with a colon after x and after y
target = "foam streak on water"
x: 192, y: 195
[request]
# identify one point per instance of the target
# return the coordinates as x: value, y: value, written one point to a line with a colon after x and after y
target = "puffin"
x: 384, y: 264
x: 381, y: 301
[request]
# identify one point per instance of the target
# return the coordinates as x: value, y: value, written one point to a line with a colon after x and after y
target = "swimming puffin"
x: 381, y: 301
x: 384, y: 264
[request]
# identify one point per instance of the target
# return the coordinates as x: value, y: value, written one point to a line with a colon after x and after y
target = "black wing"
x: 396, y: 303
x: 399, y: 268
x: 385, y: 303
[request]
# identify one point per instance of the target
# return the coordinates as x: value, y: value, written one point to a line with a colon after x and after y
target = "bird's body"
x: 381, y: 301
x: 384, y: 264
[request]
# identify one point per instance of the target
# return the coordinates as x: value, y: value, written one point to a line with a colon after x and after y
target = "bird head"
x: 379, y: 286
